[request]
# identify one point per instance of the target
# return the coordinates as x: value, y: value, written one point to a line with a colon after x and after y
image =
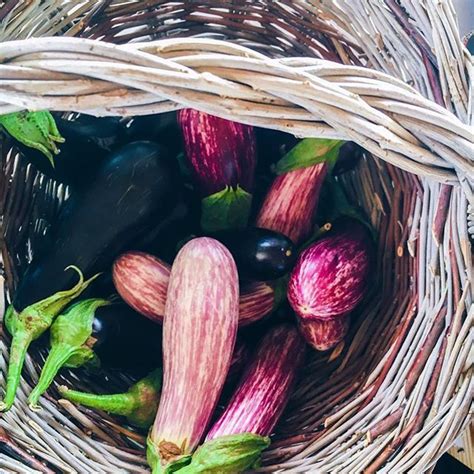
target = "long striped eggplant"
x: 324, y: 334
x: 330, y: 277
x: 220, y: 152
x: 234, y: 443
x: 291, y: 202
x: 222, y: 156
x: 199, y: 332
x: 142, y: 281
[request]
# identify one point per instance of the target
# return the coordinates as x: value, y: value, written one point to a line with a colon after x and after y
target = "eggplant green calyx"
x: 309, y: 152
x: 34, y: 129
x: 30, y: 324
x: 228, y: 454
x: 70, y: 344
x: 138, y: 404
x: 165, y: 458
x: 226, y: 209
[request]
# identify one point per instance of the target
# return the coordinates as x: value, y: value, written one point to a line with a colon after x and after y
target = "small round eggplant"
x: 260, y: 254
x: 331, y: 276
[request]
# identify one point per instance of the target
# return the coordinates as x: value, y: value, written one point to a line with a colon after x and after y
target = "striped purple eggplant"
x: 330, y: 277
x: 199, y: 331
x: 291, y: 202
x: 142, y: 281
x: 257, y: 300
x: 222, y: 156
x: 324, y: 334
x: 265, y: 386
x: 234, y: 443
x: 221, y: 153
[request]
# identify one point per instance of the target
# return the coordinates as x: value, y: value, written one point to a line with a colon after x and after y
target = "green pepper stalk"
x: 71, y: 344
x: 29, y: 325
x: 138, y: 405
x: 34, y: 129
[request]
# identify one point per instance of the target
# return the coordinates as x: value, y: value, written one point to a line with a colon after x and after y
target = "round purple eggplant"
x: 330, y: 277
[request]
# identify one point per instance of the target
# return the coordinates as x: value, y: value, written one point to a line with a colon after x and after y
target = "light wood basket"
x: 390, y: 75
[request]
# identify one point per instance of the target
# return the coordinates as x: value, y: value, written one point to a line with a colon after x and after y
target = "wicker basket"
x: 392, y: 76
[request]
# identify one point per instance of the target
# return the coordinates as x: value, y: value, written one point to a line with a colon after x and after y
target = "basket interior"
x: 331, y: 384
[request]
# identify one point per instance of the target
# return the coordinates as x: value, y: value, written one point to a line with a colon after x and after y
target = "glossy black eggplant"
x: 125, y: 339
x: 260, y: 254
x: 164, y: 240
x: 95, y: 332
x: 87, y: 141
x: 134, y: 187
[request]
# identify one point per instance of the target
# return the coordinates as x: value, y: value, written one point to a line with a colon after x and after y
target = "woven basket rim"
x: 413, y: 401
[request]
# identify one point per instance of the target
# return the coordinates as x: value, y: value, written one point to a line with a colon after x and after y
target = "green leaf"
x: 309, y: 152
x: 34, y: 129
x: 226, y: 209
x: 227, y: 454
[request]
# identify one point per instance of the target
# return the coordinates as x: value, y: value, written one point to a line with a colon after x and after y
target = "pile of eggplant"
x: 205, y: 256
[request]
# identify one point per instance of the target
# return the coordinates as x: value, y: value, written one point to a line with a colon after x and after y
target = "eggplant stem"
x: 20, y: 342
x: 117, y: 404
x: 138, y: 404
x: 55, y: 303
x: 29, y: 325
x: 57, y: 357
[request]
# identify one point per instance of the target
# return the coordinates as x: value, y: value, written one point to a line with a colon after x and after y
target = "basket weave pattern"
x: 391, y: 76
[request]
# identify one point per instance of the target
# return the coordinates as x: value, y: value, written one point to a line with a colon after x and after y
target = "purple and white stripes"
x: 142, y: 281
x: 291, y: 202
x: 265, y: 386
x: 199, y: 331
x: 221, y: 153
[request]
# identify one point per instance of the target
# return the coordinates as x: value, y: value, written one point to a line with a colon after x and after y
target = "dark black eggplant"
x: 260, y: 254
x: 164, y: 240
x: 135, y: 187
x: 95, y: 332
x: 87, y: 141
x: 125, y: 339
